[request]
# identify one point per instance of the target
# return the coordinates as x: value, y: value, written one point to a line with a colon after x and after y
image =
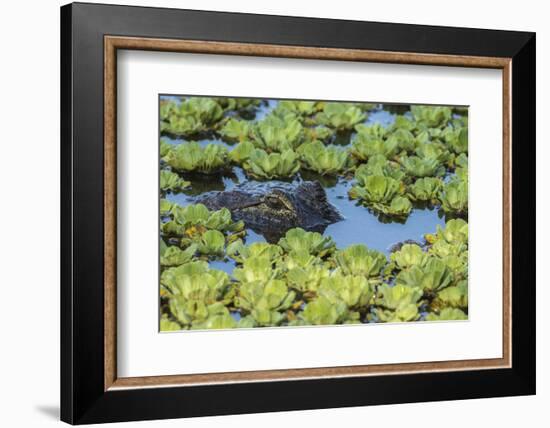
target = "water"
x: 360, y: 225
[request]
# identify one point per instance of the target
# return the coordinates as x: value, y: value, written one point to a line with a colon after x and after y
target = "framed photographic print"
x: 264, y: 213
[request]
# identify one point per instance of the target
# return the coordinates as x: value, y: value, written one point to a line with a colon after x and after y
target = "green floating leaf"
x: 359, y: 260
x: 191, y: 157
x: 325, y: 160
x: 340, y: 116
x: 273, y: 165
x: 310, y: 242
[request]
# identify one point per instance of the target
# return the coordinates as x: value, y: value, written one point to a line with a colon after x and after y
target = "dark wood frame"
x: 90, y: 36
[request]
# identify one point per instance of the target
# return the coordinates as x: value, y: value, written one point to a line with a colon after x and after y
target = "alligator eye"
x: 275, y: 203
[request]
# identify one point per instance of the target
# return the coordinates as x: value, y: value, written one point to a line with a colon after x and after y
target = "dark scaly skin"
x: 272, y: 208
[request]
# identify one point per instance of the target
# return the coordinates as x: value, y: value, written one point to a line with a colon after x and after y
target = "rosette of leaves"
x: 299, y: 240
x: 323, y: 311
x: 195, y: 292
x: 241, y: 153
x: 355, y: 291
x: 165, y: 207
x: 218, y: 318
x: 454, y: 197
x: 192, y: 116
x: 422, y: 167
x: 403, y: 123
x: 447, y: 314
x: 244, y: 106
x: 307, y: 279
x: 325, y: 160
x: 425, y: 189
x: 378, y: 165
x: 211, y: 242
x: 365, y: 146
x: 453, y: 297
x: 456, y: 139
x: 199, y: 217
x: 172, y: 182
x: 236, y: 130
x: 432, y: 277
x: 399, y: 206
x: 164, y: 147
x: 167, y: 109
x: 191, y: 157
x: 298, y: 108
x: 255, y: 269
x: 340, y: 116
x: 276, y: 134
x: 318, y: 133
x: 433, y: 151
x: 398, y: 303
x: 274, y: 165
x: 359, y: 260
x: 372, y: 130
x: 167, y: 324
x: 265, y: 301
x: 408, y: 256
x: 240, y: 252
x: 298, y: 259
x: 403, y: 139
x: 454, y: 232
x: 175, y: 256
x: 431, y: 117
x: 375, y: 188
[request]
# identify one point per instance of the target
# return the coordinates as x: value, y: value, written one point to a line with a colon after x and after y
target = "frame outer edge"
x: 66, y: 304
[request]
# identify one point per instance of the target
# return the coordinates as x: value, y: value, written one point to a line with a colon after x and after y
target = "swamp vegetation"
x: 397, y: 175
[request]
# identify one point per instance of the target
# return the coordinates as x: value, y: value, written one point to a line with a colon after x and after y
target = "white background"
x: 144, y: 352
x: 29, y: 218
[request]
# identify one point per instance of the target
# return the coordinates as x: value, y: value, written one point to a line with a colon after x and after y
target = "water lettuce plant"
x: 322, y: 311
x: 398, y: 303
x: 378, y: 165
x: 192, y: 116
x: 262, y: 165
x: 191, y: 157
x: 454, y: 197
x: 265, y: 302
x: 302, y: 278
x: 425, y: 189
x: 422, y: 167
x: 196, y: 292
x: 175, y: 256
x: 375, y: 189
x: 360, y: 260
x: 240, y: 252
x: 325, y: 160
x: 364, y: 147
x: 212, y: 242
x: 433, y: 276
x: 447, y: 314
x: 340, y: 116
x: 354, y: 290
x: 408, y: 256
x: 276, y: 134
x: 242, y: 152
x: 430, y: 116
x: 298, y: 240
x: 236, y: 130
x: 172, y: 182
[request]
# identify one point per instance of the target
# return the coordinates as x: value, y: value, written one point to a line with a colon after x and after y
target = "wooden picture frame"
x: 91, y: 390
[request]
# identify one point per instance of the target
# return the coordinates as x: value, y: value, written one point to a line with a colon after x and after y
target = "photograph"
x: 280, y: 212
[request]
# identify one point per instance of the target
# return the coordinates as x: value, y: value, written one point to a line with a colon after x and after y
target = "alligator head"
x: 272, y: 208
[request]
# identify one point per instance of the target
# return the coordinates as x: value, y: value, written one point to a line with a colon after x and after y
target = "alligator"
x: 272, y: 208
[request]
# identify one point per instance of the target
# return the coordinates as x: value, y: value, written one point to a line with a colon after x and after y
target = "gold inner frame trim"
x: 113, y: 43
